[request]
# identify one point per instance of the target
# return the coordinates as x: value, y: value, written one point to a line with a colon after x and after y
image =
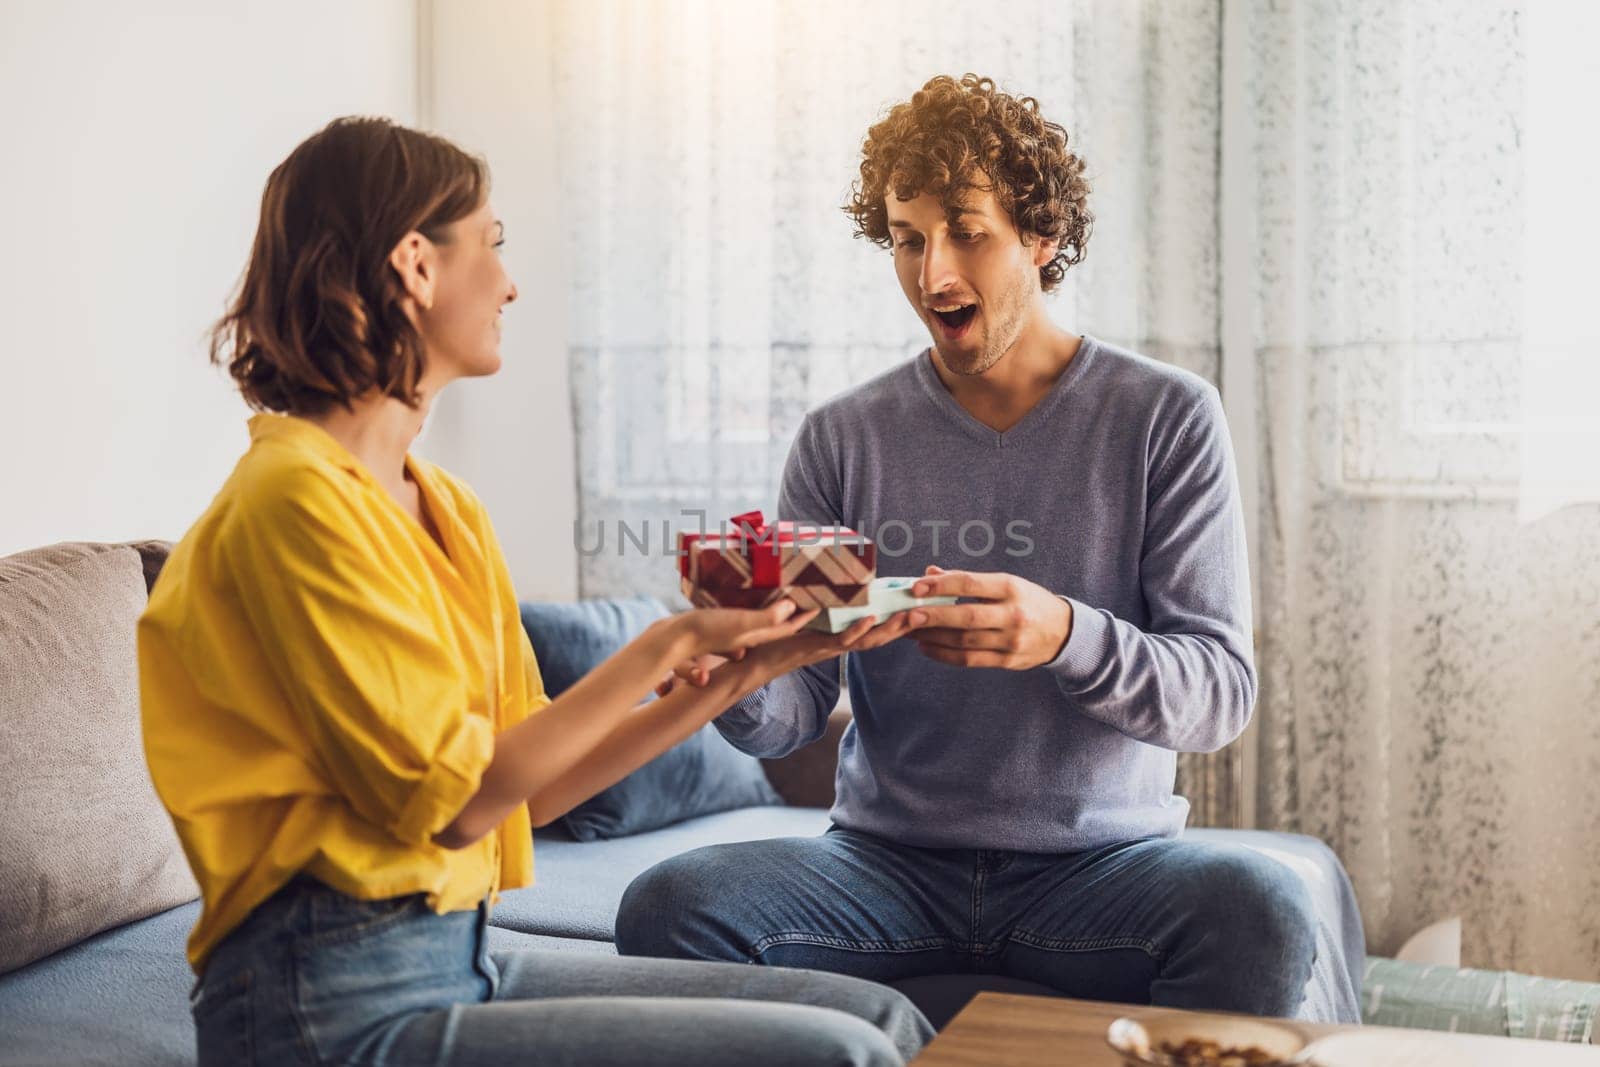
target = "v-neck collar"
x: 1034, y: 417
x: 450, y: 555
x: 444, y: 517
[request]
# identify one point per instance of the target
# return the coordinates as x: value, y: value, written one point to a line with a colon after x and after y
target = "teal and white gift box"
x: 885, y: 597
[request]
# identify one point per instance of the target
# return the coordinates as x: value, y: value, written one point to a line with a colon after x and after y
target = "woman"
x: 339, y: 702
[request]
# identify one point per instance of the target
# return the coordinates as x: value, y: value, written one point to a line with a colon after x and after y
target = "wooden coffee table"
x: 1004, y: 1030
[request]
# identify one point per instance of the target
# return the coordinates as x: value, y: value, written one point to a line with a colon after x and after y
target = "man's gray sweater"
x: 1116, y: 491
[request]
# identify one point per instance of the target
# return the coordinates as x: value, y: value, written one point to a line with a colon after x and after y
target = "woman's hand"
x: 761, y: 665
x: 728, y: 632
x: 710, y: 637
x: 790, y: 653
x: 804, y: 649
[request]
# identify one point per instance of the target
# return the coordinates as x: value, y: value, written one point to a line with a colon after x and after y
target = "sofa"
x: 97, y: 900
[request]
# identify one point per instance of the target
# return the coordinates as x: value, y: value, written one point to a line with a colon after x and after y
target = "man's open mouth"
x: 957, y: 317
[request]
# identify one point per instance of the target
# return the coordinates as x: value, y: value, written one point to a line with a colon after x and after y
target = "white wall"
x: 510, y: 436
x: 137, y: 138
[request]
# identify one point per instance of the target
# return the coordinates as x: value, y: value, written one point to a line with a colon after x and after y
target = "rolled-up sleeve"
x: 448, y: 784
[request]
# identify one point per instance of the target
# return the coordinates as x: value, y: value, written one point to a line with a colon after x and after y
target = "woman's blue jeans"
x: 316, y: 977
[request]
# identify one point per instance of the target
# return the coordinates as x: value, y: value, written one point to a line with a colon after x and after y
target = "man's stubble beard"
x: 997, y: 343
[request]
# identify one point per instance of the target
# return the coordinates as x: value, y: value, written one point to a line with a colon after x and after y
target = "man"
x: 1005, y: 798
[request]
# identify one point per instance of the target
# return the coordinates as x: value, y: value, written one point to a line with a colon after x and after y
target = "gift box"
x: 755, y: 563
x: 885, y: 597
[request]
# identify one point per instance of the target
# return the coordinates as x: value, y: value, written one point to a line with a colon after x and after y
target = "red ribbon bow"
x: 758, y: 540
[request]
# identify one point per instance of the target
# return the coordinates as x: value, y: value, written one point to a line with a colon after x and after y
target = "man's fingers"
x: 963, y: 617
x: 983, y: 584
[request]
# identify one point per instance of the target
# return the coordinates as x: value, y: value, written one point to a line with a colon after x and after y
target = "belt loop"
x: 486, y: 964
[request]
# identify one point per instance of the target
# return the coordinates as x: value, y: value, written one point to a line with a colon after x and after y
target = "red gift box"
x: 755, y: 563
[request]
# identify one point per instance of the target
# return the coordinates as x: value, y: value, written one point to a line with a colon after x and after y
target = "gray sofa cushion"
x: 122, y: 997
x: 84, y: 845
x: 119, y: 997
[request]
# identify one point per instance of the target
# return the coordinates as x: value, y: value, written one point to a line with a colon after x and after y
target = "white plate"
x: 1136, y: 1038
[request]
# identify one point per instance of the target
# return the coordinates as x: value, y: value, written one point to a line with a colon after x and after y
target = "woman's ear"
x: 412, y: 260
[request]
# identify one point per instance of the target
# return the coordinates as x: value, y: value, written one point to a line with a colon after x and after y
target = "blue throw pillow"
x: 702, y: 775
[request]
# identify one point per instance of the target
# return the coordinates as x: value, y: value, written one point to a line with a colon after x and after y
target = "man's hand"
x: 1016, y: 625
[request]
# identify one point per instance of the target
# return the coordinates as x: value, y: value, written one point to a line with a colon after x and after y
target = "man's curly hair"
x: 954, y: 137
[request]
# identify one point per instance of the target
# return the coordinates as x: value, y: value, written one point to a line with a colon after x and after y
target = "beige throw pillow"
x: 84, y: 842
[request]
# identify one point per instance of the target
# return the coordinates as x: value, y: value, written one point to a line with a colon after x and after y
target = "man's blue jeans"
x: 1162, y: 921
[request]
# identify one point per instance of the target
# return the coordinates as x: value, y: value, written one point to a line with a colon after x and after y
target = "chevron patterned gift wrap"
x: 755, y: 563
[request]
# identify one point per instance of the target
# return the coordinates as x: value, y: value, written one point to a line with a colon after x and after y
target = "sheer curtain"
x: 1430, y: 573
x: 1430, y: 662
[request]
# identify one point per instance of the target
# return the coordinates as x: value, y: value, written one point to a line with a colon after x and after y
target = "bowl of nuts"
x: 1174, y: 1040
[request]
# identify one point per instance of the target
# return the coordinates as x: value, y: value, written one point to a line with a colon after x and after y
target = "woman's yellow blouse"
x: 322, y: 684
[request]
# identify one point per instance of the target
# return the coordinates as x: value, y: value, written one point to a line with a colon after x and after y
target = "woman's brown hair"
x: 953, y: 137
x: 318, y: 319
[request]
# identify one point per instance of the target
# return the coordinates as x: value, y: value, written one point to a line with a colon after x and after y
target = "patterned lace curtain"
x: 716, y: 292
x: 1430, y: 625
